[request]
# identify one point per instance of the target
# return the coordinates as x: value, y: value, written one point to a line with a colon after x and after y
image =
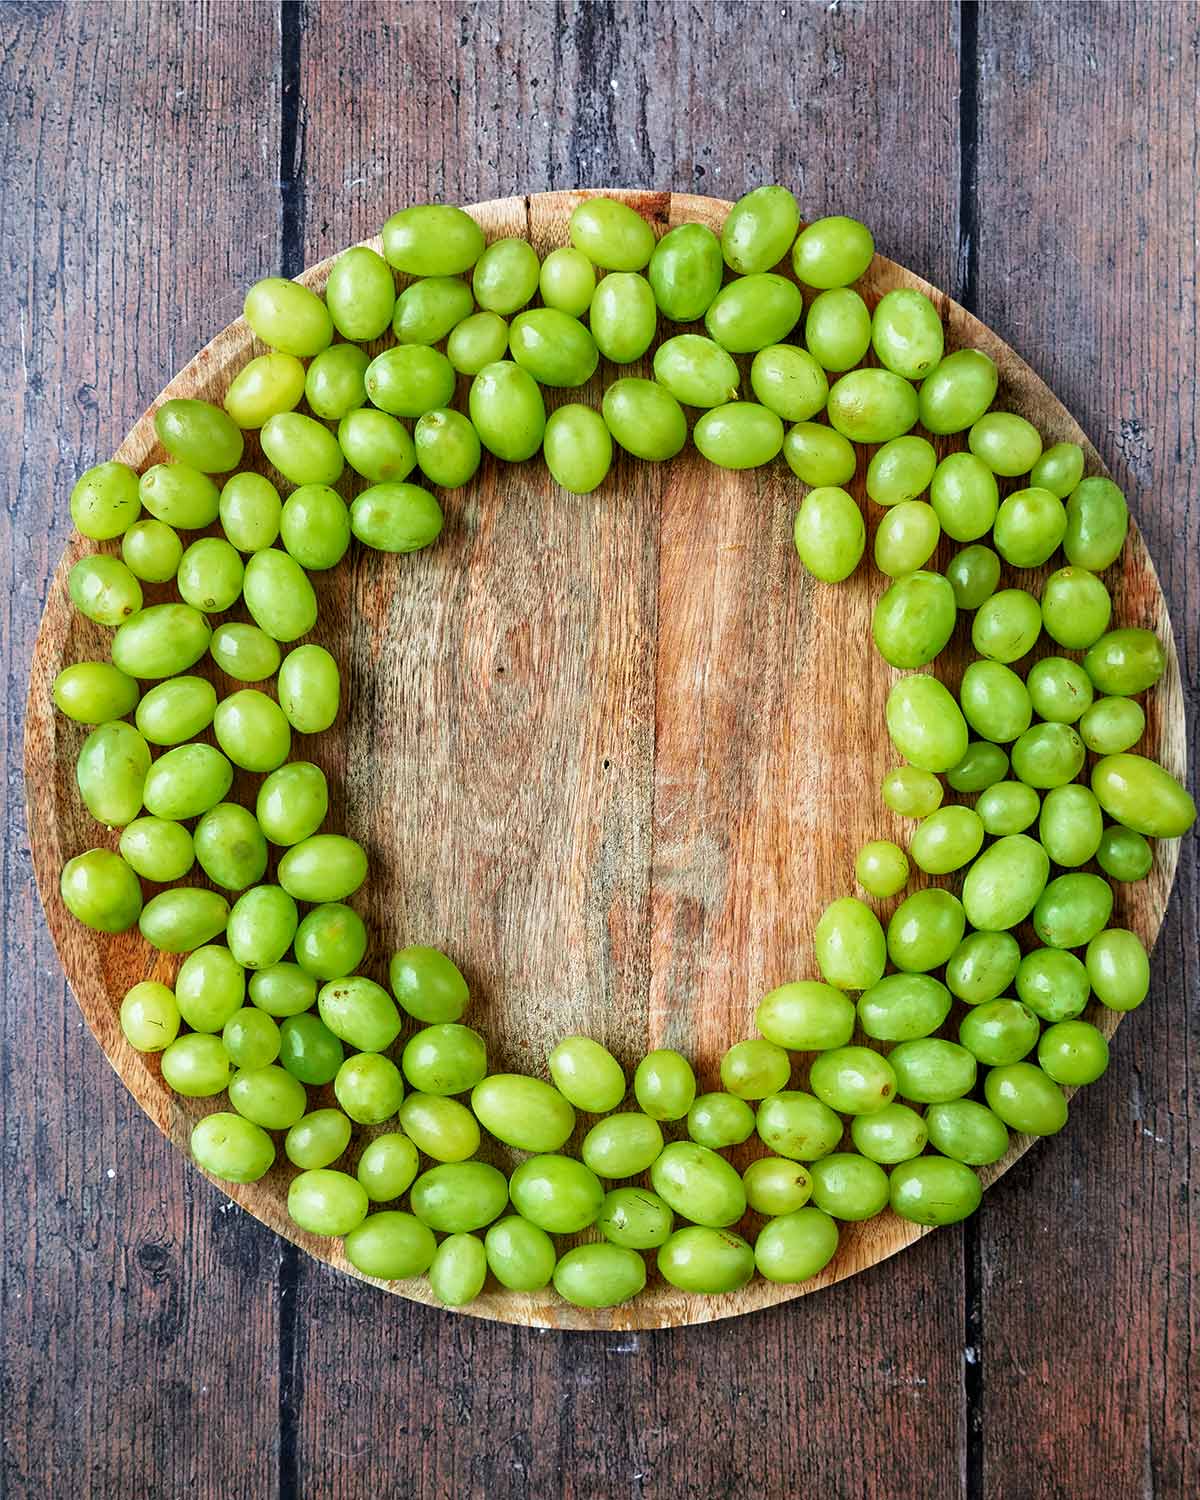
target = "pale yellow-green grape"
x: 1143, y: 796
x: 1005, y: 883
x: 901, y: 470
x: 250, y: 508
x: 1111, y: 725
x: 924, y: 931
x: 105, y: 501
x: 910, y: 792
x: 269, y: 1097
x: 797, y: 1126
x: 635, y: 1218
x: 101, y: 891
x: 644, y: 419
x: 520, y: 1255
x: 196, y: 1066
x: 442, y: 1128
x: 428, y: 984
x: 1118, y: 968
x: 230, y: 847
x: 697, y: 371
x: 428, y: 309
x: 1008, y: 444
x: 914, y: 618
x: 445, y: 1059
x: 1076, y: 608
x: 388, y: 1165
x: 829, y: 533
x: 507, y: 411
x: 1007, y: 625
x: 1125, y: 662
x: 754, y: 1069
x: 505, y: 277
x: 1059, y: 469
x: 557, y: 1193
x: 832, y: 252
x: 408, y: 381
x: 934, y: 1190
x: 892, y: 1134
x: 292, y: 803
x: 1053, y: 984
x: 881, y: 868
x: 210, y: 575
x: 200, y: 434
x: 623, y: 317
x: 567, y: 281
x: 479, y: 340
x: 1028, y: 528
x: 262, y: 925
x: 283, y: 990
x: 326, y: 1202
x: 906, y: 333
x: 776, y: 1186
x: 263, y: 388
x: 587, y: 1074
x: 788, y: 381
x: 103, y: 589
x: 1097, y: 524
x: 740, y: 435
x: 288, y: 317
x: 805, y: 1016
x: 577, y: 447
x: 958, y: 392
x: 309, y: 689
x: 837, y: 329
x: 698, y: 1184
x: 600, y: 1275
x: 796, y: 1246
x: 964, y: 493
x: 664, y: 1085
x: 906, y: 538
x: 458, y: 1270
x: 176, y: 710
x: 319, y: 1138
x: 251, y: 1038
x: 554, y: 347
x: 180, y: 495
x: 748, y: 314
x: 157, y: 849
x: 186, y: 782
x: 432, y: 239
x: 368, y: 1088
x: 995, y: 701
x: 252, y: 730
x: 335, y: 382
x: 149, y: 1016
x: 396, y: 517
x: 852, y: 1080
x: 151, y: 550
x: 983, y: 966
x: 946, y: 840
x: 325, y: 867
x: 391, y: 1246
x: 818, y: 455
x: 93, y: 692
x: 278, y: 595
x: 719, y: 1119
x: 1008, y: 807
x: 303, y: 449
x: 848, y: 1186
x: 872, y: 406
x: 1026, y: 1099
x: 711, y: 1261
x: 360, y: 294
x: 244, y: 652
x: 849, y: 943
x: 925, y: 723
x: 161, y: 641
x: 523, y: 1112
x: 376, y: 445
x: 611, y: 234
x: 685, y: 272
x: 178, y: 920
x: 314, y: 526
x: 448, y: 448
x: 760, y: 230
x: 902, y: 1007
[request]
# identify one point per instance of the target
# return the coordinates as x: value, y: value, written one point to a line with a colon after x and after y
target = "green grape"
x: 1053, y: 984
x: 881, y: 868
x: 1123, y: 854
x: 458, y: 1270
x: 903, y: 1007
x: 507, y: 411
x: 100, y: 890
x: 1026, y: 1099
x: 832, y: 252
x: 914, y: 618
x: 251, y: 1038
x: 718, y: 1120
x: 523, y: 1112
x: 330, y: 941
x: 445, y: 1059
x: 244, y: 652
x: 283, y: 990
x: 447, y: 448
x: 105, y: 501
x: 739, y: 435
x: 268, y: 1096
x: 796, y: 1246
x: 314, y: 526
x: 893, y: 1133
x: 320, y: 1138
x: 973, y: 573
x: 309, y: 689
x: 1125, y: 662
x: 186, y: 782
x: 611, y: 234
x: 555, y: 348
x: 326, y: 1202
x: 288, y: 317
x: 710, y: 1261
x: 1059, y: 689
x: 520, y: 1255
x: 998, y: 1032
x: 1059, y: 469
x: 623, y: 317
x: 1008, y: 807
x: 906, y: 333
x: 925, y: 723
x: 176, y: 710
x: 696, y: 371
x: 906, y: 538
x: 849, y: 944
x: 210, y: 575
x: 872, y: 406
x: 818, y: 455
x: 1072, y: 910
x: 1008, y: 444
x: 599, y: 1275
x: 849, y: 1186
x: 829, y: 533
x: 409, y: 380
x: 1097, y: 523
x: 852, y: 1080
x: 200, y: 434
x: 777, y: 1186
x: 753, y: 311
x: 1140, y: 794
x: 324, y: 867
x: 956, y: 394
x: 428, y: 309
x: 278, y: 595
x: 252, y: 730
x: 360, y: 294
x: 805, y: 1016
x: 685, y: 272
x: 799, y: 1126
x: 578, y: 448
x: 622, y: 1145
x: 428, y: 984
x: 103, y: 589
x: 376, y: 445
x: 983, y: 966
x: 262, y: 926
x: 151, y: 550
x: 388, y: 1165
x: 587, y: 1074
x: 1076, y: 608
x: 231, y: 1148
x: 901, y: 470
x: 754, y: 1069
x: 111, y: 773
x: 1071, y: 825
x: 664, y: 1085
x: 368, y: 1088
x: 911, y: 793
x: 759, y: 230
x: 645, y: 419
x: 1007, y: 625
x: 149, y: 1016
x: 1029, y: 526
x: 1004, y: 884
x: 1118, y: 968
x: 396, y: 518
x: 984, y: 765
x: 505, y: 277
x: 787, y: 380
x: 390, y: 1246
x: 308, y: 1050
x: 964, y: 493
x: 292, y: 803
x: 635, y: 1218
x: 698, y: 1185
x: 479, y: 340
x: 1048, y: 755
x: 557, y: 1193
x: 157, y: 849
x: 924, y: 931
x: 432, y: 239
x: 567, y: 281
x: 229, y: 846
x: 934, y: 1190
x: 442, y: 1128
x: 967, y: 1132
x: 160, y: 641
x: 360, y: 1013
x: 180, y: 495
x: 263, y: 388
x: 837, y: 329
x: 196, y: 1066
x: 250, y: 509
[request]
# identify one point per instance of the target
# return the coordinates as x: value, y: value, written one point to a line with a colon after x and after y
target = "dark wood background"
x: 1037, y: 160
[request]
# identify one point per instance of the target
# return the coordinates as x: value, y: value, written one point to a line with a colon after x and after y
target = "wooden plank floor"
x: 1037, y: 160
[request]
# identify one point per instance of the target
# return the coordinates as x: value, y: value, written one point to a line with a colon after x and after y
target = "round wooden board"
x: 614, y: 753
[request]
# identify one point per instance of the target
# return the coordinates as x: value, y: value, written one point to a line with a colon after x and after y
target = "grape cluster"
x: 268, y: 1001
